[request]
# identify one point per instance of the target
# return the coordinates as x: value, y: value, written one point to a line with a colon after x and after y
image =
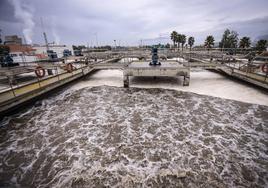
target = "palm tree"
x: 178, y: 40
x: 209, y: 42
x: 245, y: 42
x: 191, y: 42
x: 183, y: 41
x: 261, y: 45
x: 173, y: 37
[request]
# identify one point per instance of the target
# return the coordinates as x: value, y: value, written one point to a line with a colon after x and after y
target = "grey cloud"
x: 131, y: 20
x: 7, y: 11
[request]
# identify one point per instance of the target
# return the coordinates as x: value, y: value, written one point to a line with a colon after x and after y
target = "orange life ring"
x: 264, y: 68
x: 40, y: 72
x: 69, y: 67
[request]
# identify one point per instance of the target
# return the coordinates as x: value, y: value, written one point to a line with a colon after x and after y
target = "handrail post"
x: 10, y: 84
x: 39, y: 82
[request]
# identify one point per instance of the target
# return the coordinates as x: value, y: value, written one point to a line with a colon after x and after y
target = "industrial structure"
x: 13, y: 39
x: 50, y: 75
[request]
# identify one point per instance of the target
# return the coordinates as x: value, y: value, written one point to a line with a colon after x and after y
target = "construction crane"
x: 50, y: 53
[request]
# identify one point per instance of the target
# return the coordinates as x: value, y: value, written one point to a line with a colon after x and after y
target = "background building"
x: 42, y: 49
x: 22, y: 53
x: 13, y: 39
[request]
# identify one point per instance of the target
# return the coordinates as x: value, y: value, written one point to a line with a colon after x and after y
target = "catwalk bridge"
x: 61, y: 73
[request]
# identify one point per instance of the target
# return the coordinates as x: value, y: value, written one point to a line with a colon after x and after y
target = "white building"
x: 22, y: 53
x: 56, y: 48
x: 19, y: 57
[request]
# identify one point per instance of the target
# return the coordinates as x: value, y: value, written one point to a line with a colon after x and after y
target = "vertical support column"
x: 10, y: 84
x: 11, y: 79
x: 186, y: 80
x: 49, y: 72
x: 125, y: 79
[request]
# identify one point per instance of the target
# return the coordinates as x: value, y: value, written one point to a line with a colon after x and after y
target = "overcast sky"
x: 130, y: 21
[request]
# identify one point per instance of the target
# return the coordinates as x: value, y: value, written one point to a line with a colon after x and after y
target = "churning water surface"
x: 115, y: 137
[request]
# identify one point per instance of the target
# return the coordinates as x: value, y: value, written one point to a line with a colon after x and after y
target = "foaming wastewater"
x: 115, y: 137
x: 202, y: 82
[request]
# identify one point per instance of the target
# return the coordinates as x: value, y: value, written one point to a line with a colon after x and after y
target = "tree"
x: 233, y: 39
x: 167, y: 45
x: 191, y: 42
x: 224, y: 39
x: 244, y: 42
x: 229, y: 39
x: 178, y: 40
x: 183, y: 40
x: 79, y: 47
x: 173, y: 37
x: 261, y: 45
x: 4, y: 51
x: 209, y: 42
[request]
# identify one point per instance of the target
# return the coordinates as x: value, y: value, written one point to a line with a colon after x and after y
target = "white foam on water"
x: 202, y: 82
x: 110, y: 136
